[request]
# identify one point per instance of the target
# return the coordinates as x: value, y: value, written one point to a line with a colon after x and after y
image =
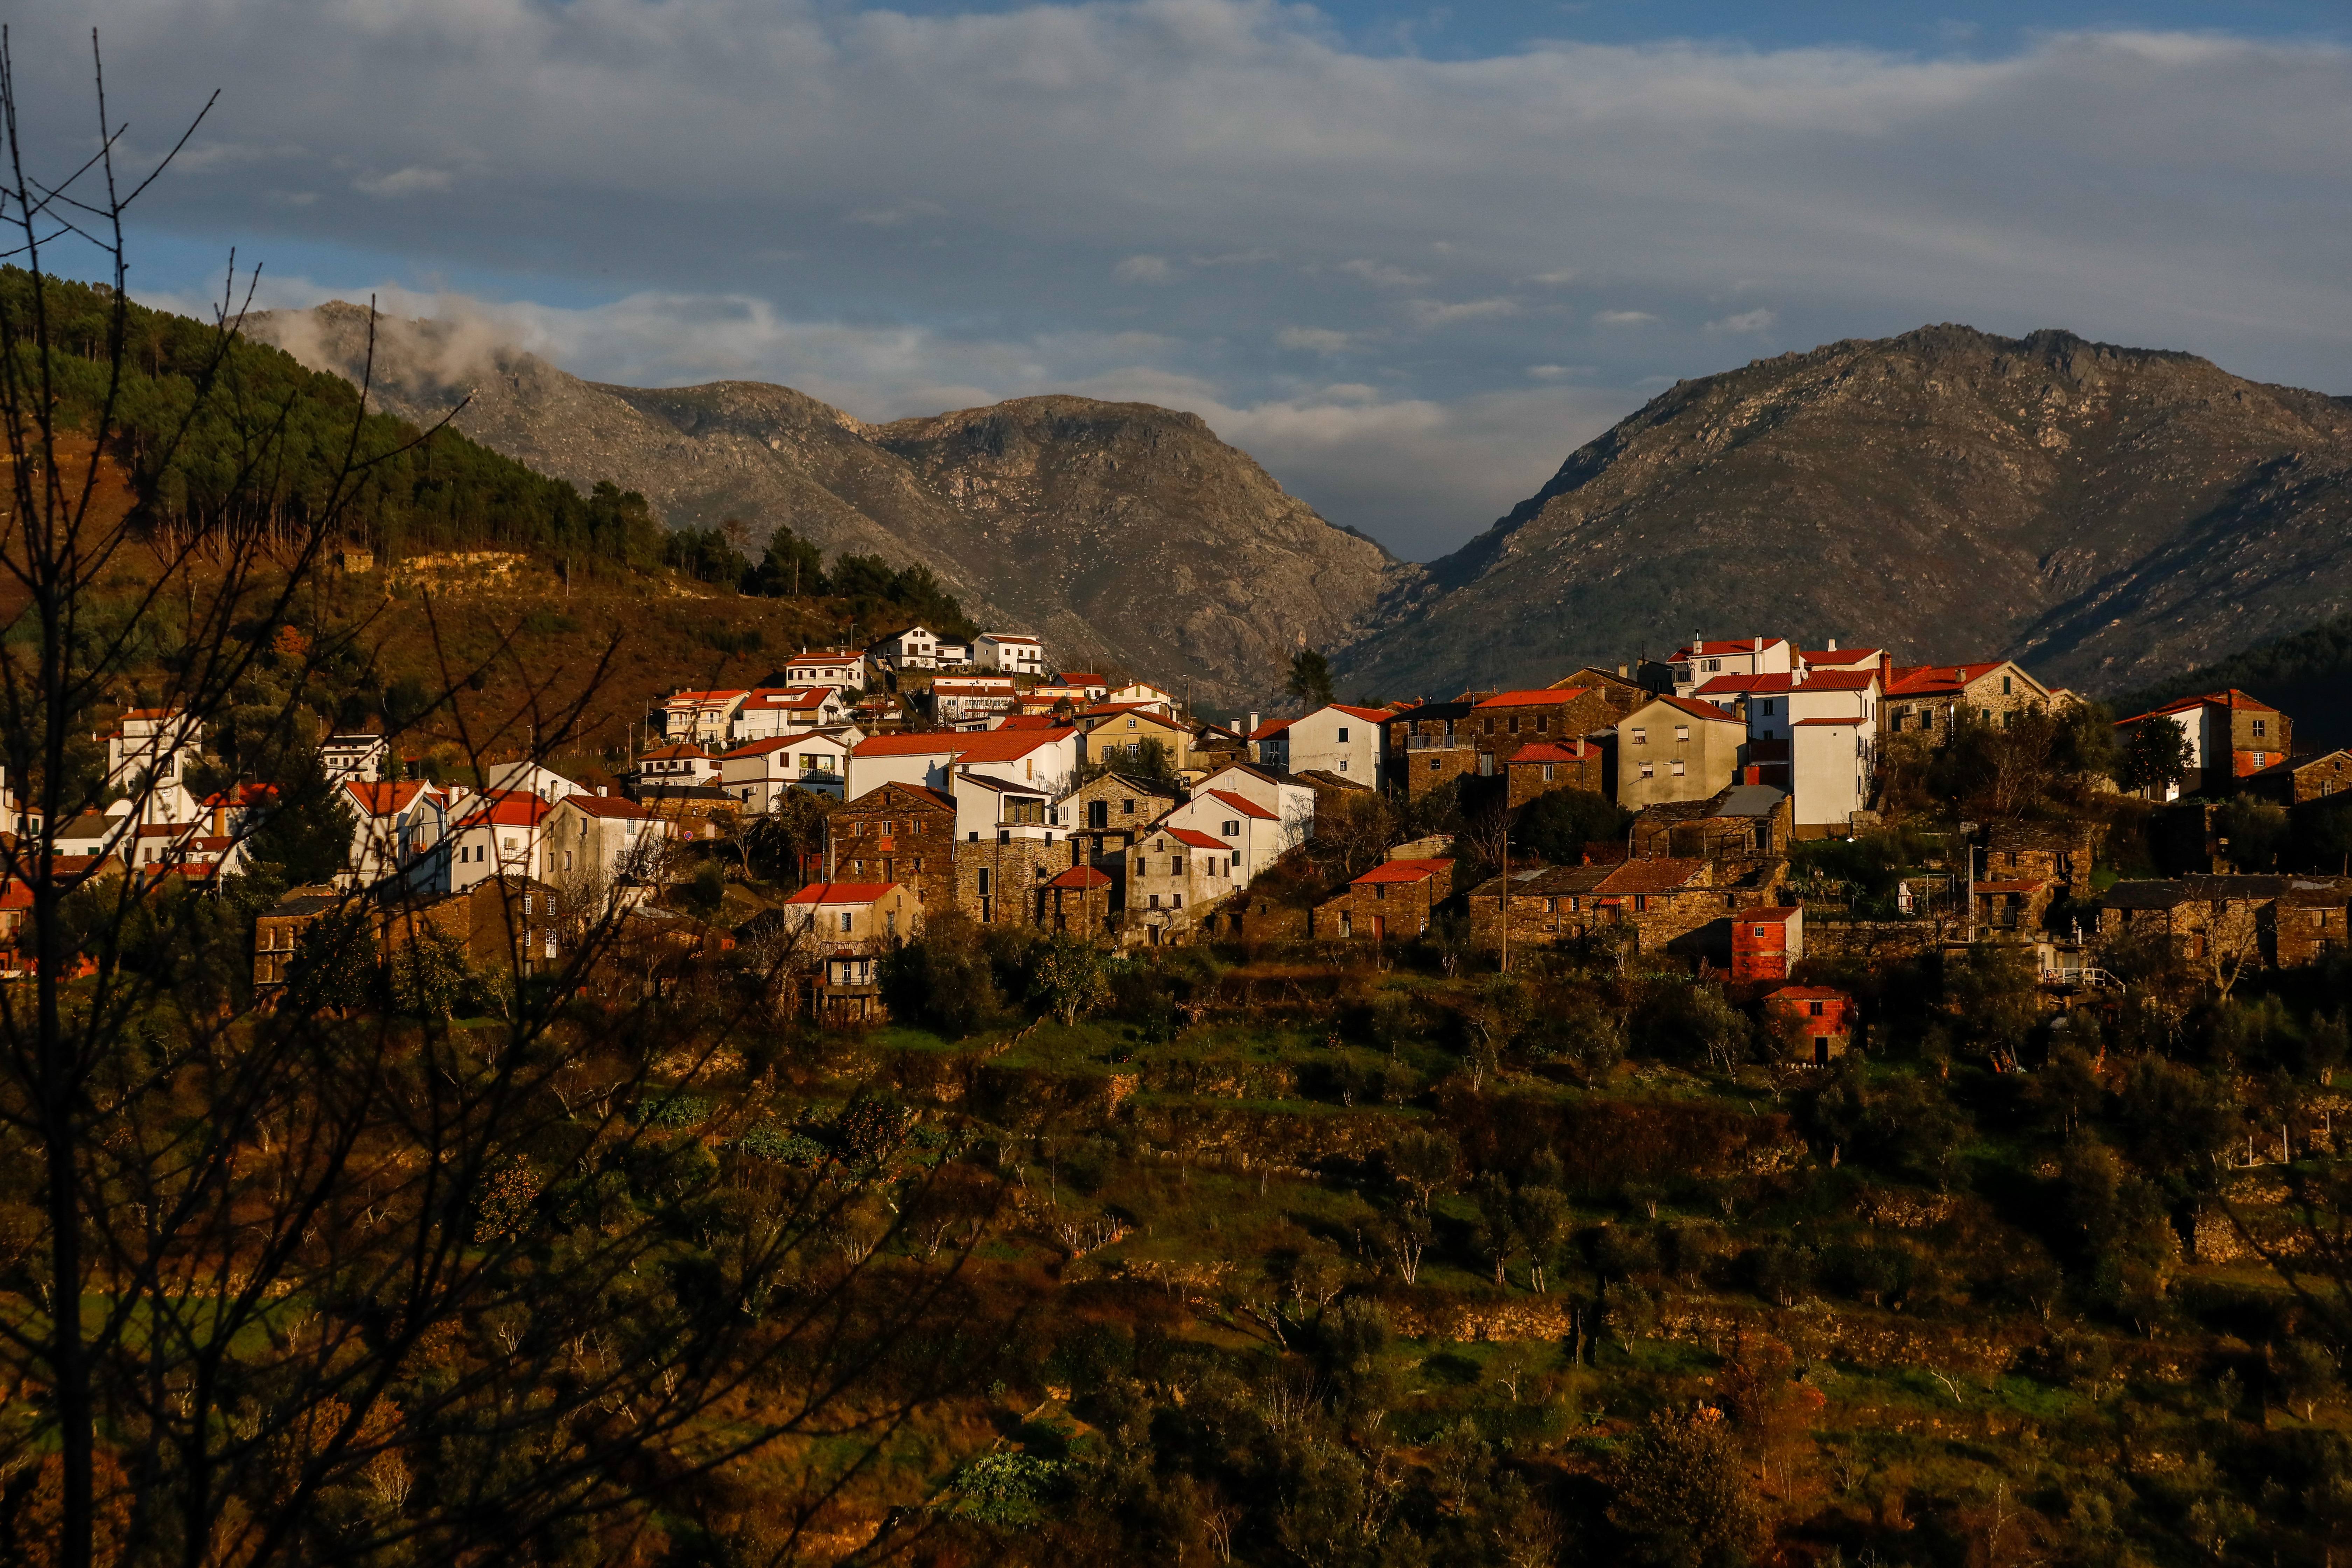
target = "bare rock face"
x: 1127, y: 536
x: 1144, y: 522
x: 2110, y: 516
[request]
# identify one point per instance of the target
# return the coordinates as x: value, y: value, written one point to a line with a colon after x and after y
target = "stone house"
x: 1676, y: 748
x: 1549, y: 905
x: 899, y: 834
x: 2013, y: 906
x: 1423, y: 750
x: 1546, y: 766
x: 2232, y: 736
x: 1925, y: 699
x: 1743, y: 822
x: 2298, y: 781
x: 1175, y: 878
x: 1506, y: 721
x: 1767, y: 942
x: 1822, y: 1016
x: 1079, y: 902
x: 2279, y: 920
x: 997, y: 882
x: 1620, y: 691
x: 851, y: 925
x: 1393, y: 901
x: 2063, y: 853
x: 1103, y: 815
x: 504, y: 924
x: 278, y: 932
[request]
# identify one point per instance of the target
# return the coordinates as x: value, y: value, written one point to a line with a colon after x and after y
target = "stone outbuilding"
x: 1393, y: 901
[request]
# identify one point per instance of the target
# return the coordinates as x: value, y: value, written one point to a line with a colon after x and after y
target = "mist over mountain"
x: 1127, y: 535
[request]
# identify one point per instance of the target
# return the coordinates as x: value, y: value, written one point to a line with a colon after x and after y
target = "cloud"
x: 897, y: 203
x: 1755, y: 321
x: 1429, y: 313
x: 1316, y: 340
x: 409, y: 182
x: 1384, y: 276
x: 1144, y: 270
x: 895, y: 216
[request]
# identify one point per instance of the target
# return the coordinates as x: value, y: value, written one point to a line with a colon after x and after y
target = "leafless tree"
x: 293, y: 1258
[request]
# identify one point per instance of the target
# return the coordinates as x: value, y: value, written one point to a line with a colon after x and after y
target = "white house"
x: 1829, y: 773
x: 1138, y: 691
x: 148, y: 756
x: 700, y: 717
x: 916, y: 647
x: 757, y: 772
x: 958, y: 696
x: 788, y: 711
x: 495, y: 836
x: 1775, y: 702
x: 954, y: 655
x: 1016, y: 755
x: 1255, y: 815
x: 843, y: 667
x: 532, y: 779
x: 344, y: 757
x: 1095, y: 686
x: 1010, y: 652
x: 607, y: 838
x: 1334, y: 738
x: 673, y: 765
x: 396, y: 829
x: 994, y: 810
x: 1700, y: 661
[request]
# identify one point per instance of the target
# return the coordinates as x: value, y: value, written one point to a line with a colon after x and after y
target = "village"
x: 1672, y: 804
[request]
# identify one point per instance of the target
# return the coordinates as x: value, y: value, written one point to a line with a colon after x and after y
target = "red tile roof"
x: 1727, y: 685
x: 1195, y: 837
x: 1745, y: 645
x: 1004, y: 745
x: 1404, y: 872
x: 789, y: 697
x: 1696, y: 708
x: 2233, y: 699
x: 606, y: 805
x: 1576, y: 751
x: 671, y: 753
x: 1840, y: 680
x: 840, y: 893
x: 1806, y: 993
x: 506, y: 808
x: 1848, y: 723
x: 1242, y: 803
x: 380, y: 799
x: 1272, y: 726
x: 1082, y: 678
x: 1081, y: 877
x: 1922, y: 679
x: 1548, y: 697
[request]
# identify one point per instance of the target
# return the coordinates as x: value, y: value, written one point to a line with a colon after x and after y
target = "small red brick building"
x: 1765, y: 942
x: 1823, y: 1014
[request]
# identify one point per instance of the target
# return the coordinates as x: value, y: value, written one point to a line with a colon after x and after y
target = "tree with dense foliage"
x: 2156, y: 755
x: 1682, y: 1497
x: 1559, y: 824
x: 1310, y: 677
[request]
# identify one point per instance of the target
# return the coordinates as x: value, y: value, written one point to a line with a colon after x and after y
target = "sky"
x: 1407, y: 257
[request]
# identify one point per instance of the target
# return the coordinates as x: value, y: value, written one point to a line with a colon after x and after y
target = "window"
x: 1758, y: 930
x: 1514, y: 724
x: 1640, y: 736
x: 1678, y: 767
x: 1649, y: 769
x: 844, y: 921
x: 1176, y: 901
x: 1682, y: 731
x: 1817, y: 1007
x: 1380, y: 891
x: 1546, y: 772
x: 1232, y: 829
x: 983, y: 881
x: 1155, y: 900
x: 1543, y: 722
x: 1432, y: 765
x: 1175, y: 865
x: 890, y: 921
x: 1347, y: 925
x: 2004, y: 692
x: 2262, y: 727
x: 1343, y: 733
x: 1127, y: 808
x: 1714, y: 664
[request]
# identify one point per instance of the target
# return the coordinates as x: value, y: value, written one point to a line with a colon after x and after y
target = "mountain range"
x: 2110, y: 516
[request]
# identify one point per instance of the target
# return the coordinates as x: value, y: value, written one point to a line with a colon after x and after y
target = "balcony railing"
x: 1436, y: 743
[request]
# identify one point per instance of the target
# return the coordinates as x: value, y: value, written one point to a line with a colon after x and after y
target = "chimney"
x: 1253, y: 728
x: 1622, y: 671
x: 1833, y: 645
x: 1760, y: 645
